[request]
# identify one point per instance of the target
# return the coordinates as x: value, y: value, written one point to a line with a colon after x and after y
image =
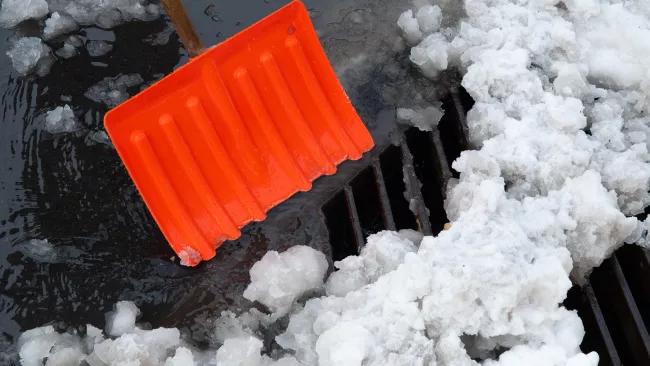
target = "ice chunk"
x: 183, y: 357
x: 423, y: 118
x: 410, y: 27
x: 40, y: 249
x: 98, y: 48
x: 278, y: 279
x: 16, y: 11
x: 113, y: 91
x: 61, y: 119
x: 29, y: 54
x: 57, y: 25
x: 228, y: 325
x: 122, y: 319
x: 240, y: 352
x: 106, y: 14
x: 429, y: 18
x: 67, y: 51
x: 189, y: 256
x: 431, y: 55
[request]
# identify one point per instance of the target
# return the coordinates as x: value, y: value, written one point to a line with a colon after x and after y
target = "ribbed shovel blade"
x: 236, y: 131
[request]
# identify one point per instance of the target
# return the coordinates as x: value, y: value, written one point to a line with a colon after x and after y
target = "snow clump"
x: 278, y: 279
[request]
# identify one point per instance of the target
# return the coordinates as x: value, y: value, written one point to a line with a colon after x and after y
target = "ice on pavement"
x: 560, y: 132
x: 98, y: 48
x: 113, y: 91
x: 30, y: 54
x: 61, y: 119
x: 14, y: 12
x: 106, y: 13
x: 57, y: 25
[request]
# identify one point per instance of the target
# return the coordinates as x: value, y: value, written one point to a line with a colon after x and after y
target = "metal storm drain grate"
x: 404, y: 188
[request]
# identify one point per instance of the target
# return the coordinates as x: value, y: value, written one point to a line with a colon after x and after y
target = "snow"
x: 98, y: 48
x: 61, y: 119
x: 240, y: 352
x: 29, y: 54
x: 138, y: 346
x: 14, y: 12
x: 278, y: 279
x: 57, y: 25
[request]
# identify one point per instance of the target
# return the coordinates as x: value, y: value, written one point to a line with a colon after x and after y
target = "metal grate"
x: 404, y: 187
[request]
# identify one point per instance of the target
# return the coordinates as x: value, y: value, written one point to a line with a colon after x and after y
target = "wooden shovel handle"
x: 184, y: 27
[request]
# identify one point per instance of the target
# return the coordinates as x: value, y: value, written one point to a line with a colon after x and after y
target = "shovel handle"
x: 184, y: 27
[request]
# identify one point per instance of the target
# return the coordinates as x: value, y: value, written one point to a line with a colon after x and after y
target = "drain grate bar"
x: 441, y: 162
x: 354, y: 217
x: 413, y: 189
x: 635, y: 330
x: 389, y: 221
x: 611, y: 356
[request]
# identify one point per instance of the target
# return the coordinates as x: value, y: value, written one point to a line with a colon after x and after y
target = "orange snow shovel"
x: 240, y: 128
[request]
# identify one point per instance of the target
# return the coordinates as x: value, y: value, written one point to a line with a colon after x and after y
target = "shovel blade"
x: 237, y: 130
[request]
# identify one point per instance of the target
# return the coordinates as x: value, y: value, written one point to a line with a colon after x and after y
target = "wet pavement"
x: 72, y: 189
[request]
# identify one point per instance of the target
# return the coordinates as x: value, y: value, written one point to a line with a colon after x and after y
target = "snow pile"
x: 113, y: 91
x: 277, y: 280
x: 29, y: 54
x: 61, y: 119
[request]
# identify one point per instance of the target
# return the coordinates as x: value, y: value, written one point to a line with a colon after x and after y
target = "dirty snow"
x: 560, y: 131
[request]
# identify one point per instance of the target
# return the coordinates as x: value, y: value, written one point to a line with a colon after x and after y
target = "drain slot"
x: 339, y: 224
x: 391, y: 167
x: 432, y: 179
x: 369, y: 208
